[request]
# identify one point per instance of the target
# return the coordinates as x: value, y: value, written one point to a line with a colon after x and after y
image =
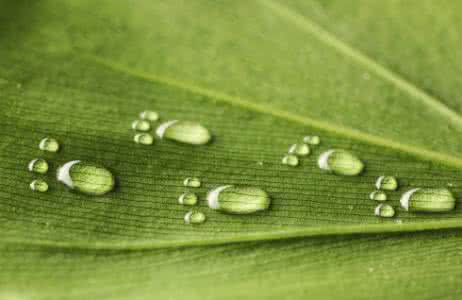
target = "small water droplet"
x: 141, y: 125
x: 39, y: 185
x: 38, y: 165
x: 192, y: 182
x: 143, y: 138
x: 260, y: 163
x: 290, y: 160
x: 238, y: 199
x: 184, y: 132
x: 194, y: 217
x: 86, y: 178
x: 149, y: 115
x: 188, y: 199
x: 384, y: 211
x: 312, y: 139
x: 49, y: 144
x: 299, y: 149
x: 428, y: 200
x: 378, y: 196
x: 340, y: 162
x: 388, y: 183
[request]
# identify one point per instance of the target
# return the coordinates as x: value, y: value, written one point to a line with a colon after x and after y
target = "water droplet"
x: 38, y: 165
x: 149, y: 115
x: 312, y: 139
x: 378, y: 196
x: 141, y: 125
x: 143, y: 138
x: 39, y: 185
x: 49, y: 144
x: 340, y: 162
x: 384, y: 211
x: 192, y: 182
x: 85, y: 177
x: 290, y: 160
x: 260, y: 163
x: 184, y: 132
x: 388, y: 183
x: 299, y: 149
x: 194, y: 217
x: 188, y: 199
x: 428, y: 200
x: 238, y: 199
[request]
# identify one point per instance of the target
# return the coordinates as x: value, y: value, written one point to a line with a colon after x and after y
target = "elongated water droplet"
x: 340, y: 162
x: 143, y: 138
x: 312, y: 139
x: 290, y: 160
x: 188, y: 199
x: 192, y: 182
x: 238, y: 199
x: 378, y: 196
x: 384, y: 211
x: 388, y: 183
x: 149, y: 115
x: 299, y: 149
x: 184, y: 132
x: 194, y: 217
x: 49, y: 144
x: 86, y: 178
x: 39, y: 185
x: 38, y: 165
x: 141, y: 125
x: 428, y: 200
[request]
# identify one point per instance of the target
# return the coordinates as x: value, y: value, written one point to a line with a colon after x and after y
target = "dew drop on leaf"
x: 290, y: 160
x: 238, y: 199
x: 39, y: 185
x: 384, y: 211
x: 141, y: 125
x: 312, y: 139
x: 192, y: 182
x: 143, y: 138
x: 188, y: 199
x: 38, y: 165
x: 184, y: 132
x: 388, y: 183
x: 49, y: 144
x: 149, y: 115
x: 299, y: 149
x: 340, y: 162
x: 378, y: 196
x: 194, y: 217
x: 428, y: 200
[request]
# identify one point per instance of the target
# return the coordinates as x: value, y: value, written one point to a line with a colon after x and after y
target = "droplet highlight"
x: 192, y: 182
x: 87, y: 178
x: 39, y: 185
x: 299, y: 149
x: 340, y: 162
x: 184, y: 132
x: 141, y: 125
x: 384, y: 211
x: 194, y: 217
x: 188, y: 199
x: 238, y: 199
x: 143, y: 138
x: 38, y: 165
x: 388, y: 183
x: 49, y: 144
x: 149, y: 115
x: 312, y: 139
x: 428, y: 200
x: 378, y: 196
x: 290, y: 160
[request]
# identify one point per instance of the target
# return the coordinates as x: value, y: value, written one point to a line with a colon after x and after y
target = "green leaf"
x: 260, y: 75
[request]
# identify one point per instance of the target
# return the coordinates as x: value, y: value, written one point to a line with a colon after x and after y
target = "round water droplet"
x: 143, y: 138
x: 194, y: 217
x: 238, y: 199
x: 49, y: 144
x: 141, y: 125
x: 86, y: 178
x: 188, y: 199
x: 428, y: 200
x: 312, y: 140
x: 290, y: 160
x: 388, y: 183
x: 149, y: 115
x: 39, y: 185
x: 340, y: 162
x: 38, y: 165
x: 299, y: 149
x: 384, y: 211
x: 192, y: 182
x: 184, y: 132
x: 378, y: 196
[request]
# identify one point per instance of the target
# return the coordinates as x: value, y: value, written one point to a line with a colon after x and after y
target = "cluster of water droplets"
x: 292, y: 158
x: 40, y: 165
x: 384, y: 184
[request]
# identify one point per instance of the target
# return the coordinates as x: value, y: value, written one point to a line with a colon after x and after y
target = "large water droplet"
x: 141, y: 125
x: 238, y: 199
x: 184, y: 132
x: 149, y: 115
x: 49, y: 144
x: 38, y: 165
x: 188, y: 199
x: 378, y: 196
x: 192, y: 182
x: 39, y: 185
x: 290, y: 160
x: 388, y: 183
x: 86, y: 178
x: 384, y: 211
x: 143, y: 138
x: 299, y: 149
x: 194, y: 217
x: 428, y: 200
x: 340, y: 162
x: 312, y: 140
